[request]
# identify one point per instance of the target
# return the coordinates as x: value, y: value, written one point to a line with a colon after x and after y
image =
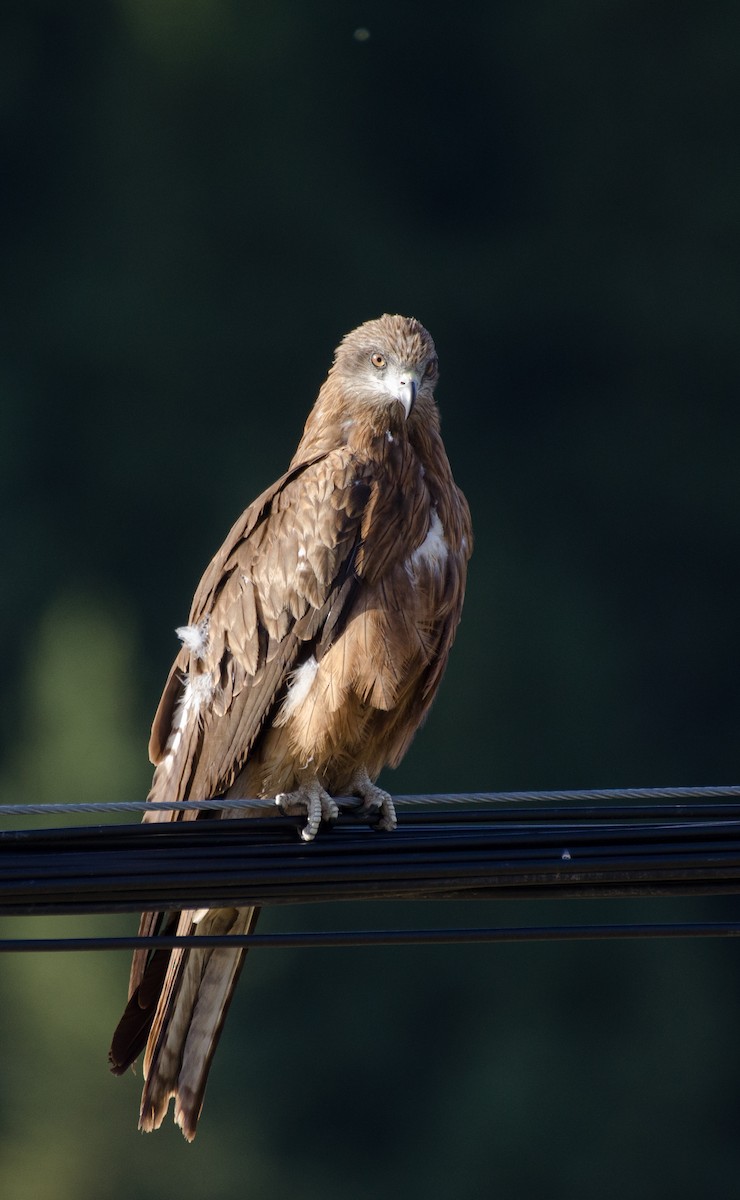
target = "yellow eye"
x: 377, y: 360
x: 431, y: 367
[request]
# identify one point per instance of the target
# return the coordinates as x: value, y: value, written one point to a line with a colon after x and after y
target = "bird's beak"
x: 406, y: 393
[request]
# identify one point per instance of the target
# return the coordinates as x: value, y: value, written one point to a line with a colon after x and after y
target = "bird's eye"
x: 377, y: 360
x: 431, y: 367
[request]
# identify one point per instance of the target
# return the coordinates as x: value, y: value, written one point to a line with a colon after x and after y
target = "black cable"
x: 386, y: 937
x: 485, y: 854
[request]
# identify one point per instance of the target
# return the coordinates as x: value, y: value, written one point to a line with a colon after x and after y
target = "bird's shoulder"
x: 289, y: 542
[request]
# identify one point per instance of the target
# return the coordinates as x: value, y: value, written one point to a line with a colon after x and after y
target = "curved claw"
x: 312, y: 800
x: 375, y: 800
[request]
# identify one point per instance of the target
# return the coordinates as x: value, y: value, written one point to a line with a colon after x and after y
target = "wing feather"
x: 282, y: 580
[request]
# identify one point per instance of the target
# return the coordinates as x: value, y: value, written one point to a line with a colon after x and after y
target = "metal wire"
x: 593, y: 795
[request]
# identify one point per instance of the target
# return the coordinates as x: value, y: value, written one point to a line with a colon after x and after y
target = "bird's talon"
x: 312, y: 800
x: 375, y: 802
x: 388, y: 820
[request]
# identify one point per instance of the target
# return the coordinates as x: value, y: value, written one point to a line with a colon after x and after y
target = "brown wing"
x: 435, y: 630
x: 214, y: 579
x: 284, y: 573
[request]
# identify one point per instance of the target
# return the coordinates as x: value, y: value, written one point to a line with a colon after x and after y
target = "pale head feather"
x: 403, y: 344
x: 382, y: 380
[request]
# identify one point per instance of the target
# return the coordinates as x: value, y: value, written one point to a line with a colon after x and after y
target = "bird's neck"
x: 337, y: 420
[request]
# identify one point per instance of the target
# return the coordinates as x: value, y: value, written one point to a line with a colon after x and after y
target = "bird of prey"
x: 316, y: 642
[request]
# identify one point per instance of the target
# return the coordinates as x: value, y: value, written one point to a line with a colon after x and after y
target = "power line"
x: 594, y: 795
x: 342, y: 939
x: 476, y: 854
x: 614, y: 843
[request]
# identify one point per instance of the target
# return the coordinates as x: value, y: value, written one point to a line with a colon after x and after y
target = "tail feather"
x: 192, y: 1008
x: 148, y: 976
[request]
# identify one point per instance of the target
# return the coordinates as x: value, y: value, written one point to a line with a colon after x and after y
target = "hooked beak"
x: 401, y: 384
x: 406, y: 393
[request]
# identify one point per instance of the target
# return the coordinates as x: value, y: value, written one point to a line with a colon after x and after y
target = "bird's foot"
x: 312, y: 800
x: 375, y: 800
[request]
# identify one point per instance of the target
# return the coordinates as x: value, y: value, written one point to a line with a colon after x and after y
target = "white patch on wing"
x: 432, y: 552
x: 198, y: 693
x: 195, y: 637
x: 302, y: 682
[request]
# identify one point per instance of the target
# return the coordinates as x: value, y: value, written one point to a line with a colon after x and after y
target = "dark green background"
x: 199, y: 198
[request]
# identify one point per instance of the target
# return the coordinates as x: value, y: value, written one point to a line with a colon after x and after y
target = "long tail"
x: 194, y: 989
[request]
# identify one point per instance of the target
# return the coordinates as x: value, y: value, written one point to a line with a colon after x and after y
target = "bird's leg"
x: 374, y: 798
x: 311, y: 799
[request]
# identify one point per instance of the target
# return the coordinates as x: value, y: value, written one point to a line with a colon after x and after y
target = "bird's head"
x: 389, y: 361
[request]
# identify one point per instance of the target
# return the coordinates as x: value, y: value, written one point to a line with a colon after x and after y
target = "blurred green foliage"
x: 199, y: 199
